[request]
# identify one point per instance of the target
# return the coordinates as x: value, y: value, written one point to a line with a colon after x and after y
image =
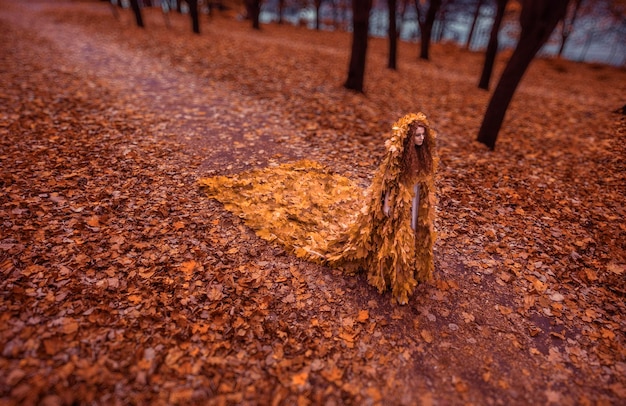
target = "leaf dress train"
x: 385, y: 231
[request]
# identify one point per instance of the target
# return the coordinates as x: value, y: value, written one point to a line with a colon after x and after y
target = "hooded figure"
x: 393, y: 236
x: 320, y: 216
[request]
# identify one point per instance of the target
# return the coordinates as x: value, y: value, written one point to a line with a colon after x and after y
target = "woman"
x: 311, y: 210
x: 392, y: 239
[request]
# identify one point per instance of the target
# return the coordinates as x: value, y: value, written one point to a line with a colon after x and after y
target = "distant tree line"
x: 538, y: 20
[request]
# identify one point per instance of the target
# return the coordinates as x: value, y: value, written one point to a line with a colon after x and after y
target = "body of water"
x: 590, y: 41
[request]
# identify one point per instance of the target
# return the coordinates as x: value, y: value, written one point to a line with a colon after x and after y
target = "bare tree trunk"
x: 425, y: 42
x: 492, y: 47
x: 318, y: 5
x: 538, y: 19
x: 441, y: 24
x: 426, y: 25
x: 479, y: 4
x: 253, y: 8
x: 195, y: 18
x: 568, y: 26
x: 393, y: 35
x: 403, y: 7
x: 134, y: 4
x: 281, y: 7
x: 360, y: 23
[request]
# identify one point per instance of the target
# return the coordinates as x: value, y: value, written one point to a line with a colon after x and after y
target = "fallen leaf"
x: 363, y: 316
x: 300, y: 379
x: 94, y: 221
x: 617, y: 269
x: 189, y: 266
x: 557, y: 297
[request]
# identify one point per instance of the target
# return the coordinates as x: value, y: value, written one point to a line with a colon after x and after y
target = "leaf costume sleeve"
x: 320, y: 215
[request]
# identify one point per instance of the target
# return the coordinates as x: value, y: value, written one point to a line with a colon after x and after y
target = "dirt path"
x: 122, y: 283
x: 195, y: 110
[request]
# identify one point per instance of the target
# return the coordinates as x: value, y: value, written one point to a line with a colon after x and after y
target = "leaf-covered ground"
x: 122, y: 283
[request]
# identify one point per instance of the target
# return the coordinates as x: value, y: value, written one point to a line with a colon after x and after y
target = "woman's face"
x: 418, y: 135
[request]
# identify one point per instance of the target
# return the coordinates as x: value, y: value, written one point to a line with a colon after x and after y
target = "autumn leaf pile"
x: 302, y: 205
x: 122, y: 283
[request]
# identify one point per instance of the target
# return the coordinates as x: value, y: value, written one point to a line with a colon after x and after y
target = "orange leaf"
x: 94, y: 221
x: 300, y: 379
x: 363, y: 316
x: 189, y: 266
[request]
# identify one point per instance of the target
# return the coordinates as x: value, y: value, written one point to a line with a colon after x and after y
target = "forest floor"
x: 122, y: 283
